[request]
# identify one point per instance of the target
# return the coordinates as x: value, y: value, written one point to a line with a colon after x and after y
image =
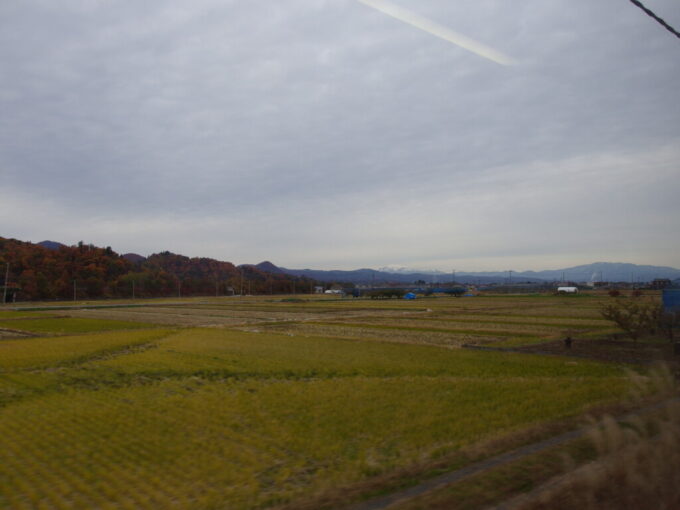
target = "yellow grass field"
x: 261, y: 406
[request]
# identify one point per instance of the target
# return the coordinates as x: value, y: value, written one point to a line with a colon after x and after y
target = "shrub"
x: 614, y: 293
x: 456, y: 292
x: 635, y: 318
x: 636, y: 467
x: 387, y: 293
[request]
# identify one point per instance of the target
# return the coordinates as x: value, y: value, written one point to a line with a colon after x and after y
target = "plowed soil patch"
x: 619, y: 351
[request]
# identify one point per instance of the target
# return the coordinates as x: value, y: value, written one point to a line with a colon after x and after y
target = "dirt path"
x: 13, y: 334
x: 385, y: 502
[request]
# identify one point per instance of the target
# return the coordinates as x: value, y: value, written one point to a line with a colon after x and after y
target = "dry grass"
x: 638, y: 465
x: 40, y: 352
x: 217, y: 417
x: 10, y: 333
x: 450, y: 324
x: 564, y: 322
x: 164, y: 316
x: 444, y: 339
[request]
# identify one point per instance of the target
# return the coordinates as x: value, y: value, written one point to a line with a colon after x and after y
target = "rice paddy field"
x: 240, y: 403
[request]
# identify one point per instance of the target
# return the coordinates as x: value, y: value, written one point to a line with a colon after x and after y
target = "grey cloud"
x: 262, y: 110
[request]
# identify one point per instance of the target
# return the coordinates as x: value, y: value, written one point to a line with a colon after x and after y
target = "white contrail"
x: 438, y: 30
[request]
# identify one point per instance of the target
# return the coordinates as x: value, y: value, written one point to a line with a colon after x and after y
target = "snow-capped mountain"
x: 395, y: 269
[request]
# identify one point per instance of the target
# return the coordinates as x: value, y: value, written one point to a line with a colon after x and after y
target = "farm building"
x: 568, y: 290
x: 671, y: 300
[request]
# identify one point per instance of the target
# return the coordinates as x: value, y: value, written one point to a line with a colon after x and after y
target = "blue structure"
x: 671, y: 300
x: 409, y: 295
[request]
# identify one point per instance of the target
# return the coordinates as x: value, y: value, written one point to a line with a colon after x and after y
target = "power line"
x: 657, y: 18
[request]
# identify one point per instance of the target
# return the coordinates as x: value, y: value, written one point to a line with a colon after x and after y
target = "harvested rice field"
x: 242, y: 403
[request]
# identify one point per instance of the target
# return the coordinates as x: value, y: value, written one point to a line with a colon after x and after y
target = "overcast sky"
x: 329, y: 135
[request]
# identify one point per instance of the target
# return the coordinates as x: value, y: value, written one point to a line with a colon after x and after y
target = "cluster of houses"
x: 656, y: 284
x: 570, y: 287
x: 565, y: 287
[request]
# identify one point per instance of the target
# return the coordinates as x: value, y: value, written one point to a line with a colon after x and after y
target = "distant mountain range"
x: 372, y: 276
x: 408, y: 270
x: 134, y: 258
x: 51, y: 245
x: 599, y: 271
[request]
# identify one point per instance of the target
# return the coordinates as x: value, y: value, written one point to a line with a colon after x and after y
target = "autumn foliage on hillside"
x: 38, y: 273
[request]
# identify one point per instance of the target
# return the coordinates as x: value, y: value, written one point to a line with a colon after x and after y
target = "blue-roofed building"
x: 671, y: 300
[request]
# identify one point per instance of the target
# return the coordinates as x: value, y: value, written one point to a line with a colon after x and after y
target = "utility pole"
x: 4, y: 292
x: 241, y: 282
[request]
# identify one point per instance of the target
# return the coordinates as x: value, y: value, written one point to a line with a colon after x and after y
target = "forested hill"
x: 37, y: 273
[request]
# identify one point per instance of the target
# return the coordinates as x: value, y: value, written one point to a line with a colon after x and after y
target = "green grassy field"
x: 263, y: 411
x: 65, y: 325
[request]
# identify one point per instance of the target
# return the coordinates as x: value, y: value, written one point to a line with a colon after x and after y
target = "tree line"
x: 86, y: 271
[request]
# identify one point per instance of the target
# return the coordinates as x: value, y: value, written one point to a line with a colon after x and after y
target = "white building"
x: 567, y: 290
